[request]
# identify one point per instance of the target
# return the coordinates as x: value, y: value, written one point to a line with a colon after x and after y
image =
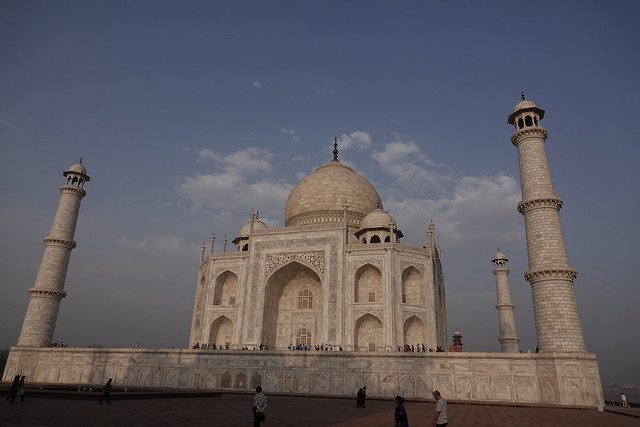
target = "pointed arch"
x: 256, y: 380
x: 241, y: 380
x: 221, y: 332
x: 413, y: 288
x: 369, y: 334
x: 368, y: 284
x: 414, y: 331
x: 375, y: 239
x: 197, y: 331
x: 225, y: 380
x: 282, y: 316
x: 226, y: 289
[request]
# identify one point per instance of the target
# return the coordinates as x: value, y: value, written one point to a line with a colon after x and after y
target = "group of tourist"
x: 198, y: 346
x: 401, y: 419
x: 59, y: 344
x: 17, y: 389
x: 419, y: 348
x: 400, y: 416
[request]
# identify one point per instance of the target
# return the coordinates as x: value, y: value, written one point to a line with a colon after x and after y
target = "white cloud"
x: 479, y: 209
x: 256, y: 84
x: 243, y: 162
x: 229, y: 194
x: 406, y: 162
x: 357, y: 140
x: 291, y: 133
x: 323, y: 89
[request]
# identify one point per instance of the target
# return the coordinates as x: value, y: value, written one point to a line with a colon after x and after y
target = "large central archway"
x: 292, y: 307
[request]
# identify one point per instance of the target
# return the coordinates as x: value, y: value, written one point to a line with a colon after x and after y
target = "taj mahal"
x: 337, y: 282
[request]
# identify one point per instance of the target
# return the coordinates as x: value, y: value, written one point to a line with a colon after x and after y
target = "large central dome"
x: 320, y: 197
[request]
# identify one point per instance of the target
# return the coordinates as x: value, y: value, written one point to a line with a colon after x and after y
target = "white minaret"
x: 46, y: 294
x: 507, y: 321
x: 554, y: 302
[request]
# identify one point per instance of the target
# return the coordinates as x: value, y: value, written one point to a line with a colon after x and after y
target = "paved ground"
x: 287, y: 411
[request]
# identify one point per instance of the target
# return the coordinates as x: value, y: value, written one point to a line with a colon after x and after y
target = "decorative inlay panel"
x: 408, y: 314
x: 405, y: 264
x: 313, y: 259
x: 376, y: 313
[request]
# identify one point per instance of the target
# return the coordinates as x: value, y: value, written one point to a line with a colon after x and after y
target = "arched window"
x: 245, y: 247
x: 387, y: 239
x: 520, y: 123
x: 305, y: 299
x: 303, y: 337
x: 375, y: 239
x: 528, y: 121
x: 364, y: 240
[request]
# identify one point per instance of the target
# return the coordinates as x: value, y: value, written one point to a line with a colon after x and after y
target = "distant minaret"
x: 551, y: 278
x: 47, y: 292
x: 507, y: 321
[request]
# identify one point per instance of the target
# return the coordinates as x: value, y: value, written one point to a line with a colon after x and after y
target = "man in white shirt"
x: 259, y: 405
x: 440, y: 418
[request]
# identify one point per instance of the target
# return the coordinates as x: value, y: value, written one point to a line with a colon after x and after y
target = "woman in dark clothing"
x: 400, y: 415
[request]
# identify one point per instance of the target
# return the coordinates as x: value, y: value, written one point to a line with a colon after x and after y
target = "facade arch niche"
x: 226, y: 289
x: 201, y: 293
x: 293, y: 301
x: 198, y: 331
x: 241, y: 381
x: 414, y: 331
x: 368, y: 284
x: 256, y: 380
x: 369, y: 334
x: 413, y: 290
x: 221, y: 332
x: 225, y: 380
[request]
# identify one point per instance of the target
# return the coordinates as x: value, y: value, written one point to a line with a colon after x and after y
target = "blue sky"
x: 189, y: 114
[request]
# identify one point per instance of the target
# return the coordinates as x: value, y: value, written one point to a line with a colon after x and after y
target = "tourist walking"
x: 623, y: 401
x: 400, y: 418
x: 259, y: 405
x: 440, y: 418
x: 106, y: 391
x: 14, y: 388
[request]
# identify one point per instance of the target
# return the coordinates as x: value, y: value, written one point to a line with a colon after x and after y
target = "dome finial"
x: 335, y: 150
x: 522, y: 95
x: 80, y: 159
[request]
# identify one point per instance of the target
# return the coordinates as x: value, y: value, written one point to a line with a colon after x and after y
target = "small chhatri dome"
x: 499, y: 257
x: 321, y: 196
x: 77, y: 168
x: 523, y: 106
x: 257, y: 225
x: 377, y: 219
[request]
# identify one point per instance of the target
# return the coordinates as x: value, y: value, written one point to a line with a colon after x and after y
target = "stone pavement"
x: 285, y: 411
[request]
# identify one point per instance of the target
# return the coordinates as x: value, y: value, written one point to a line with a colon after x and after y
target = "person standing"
x: 259, y: 405
x: 106, y: 391
x: 20, y: 391
x: 364, y: 396
x: 14, y: 388
x: 440, y: 418
x: 400, y: 418
x: 623, y: 401
x: 359, y: 398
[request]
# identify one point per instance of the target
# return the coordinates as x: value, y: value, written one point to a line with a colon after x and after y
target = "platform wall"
x: 567, y: 379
